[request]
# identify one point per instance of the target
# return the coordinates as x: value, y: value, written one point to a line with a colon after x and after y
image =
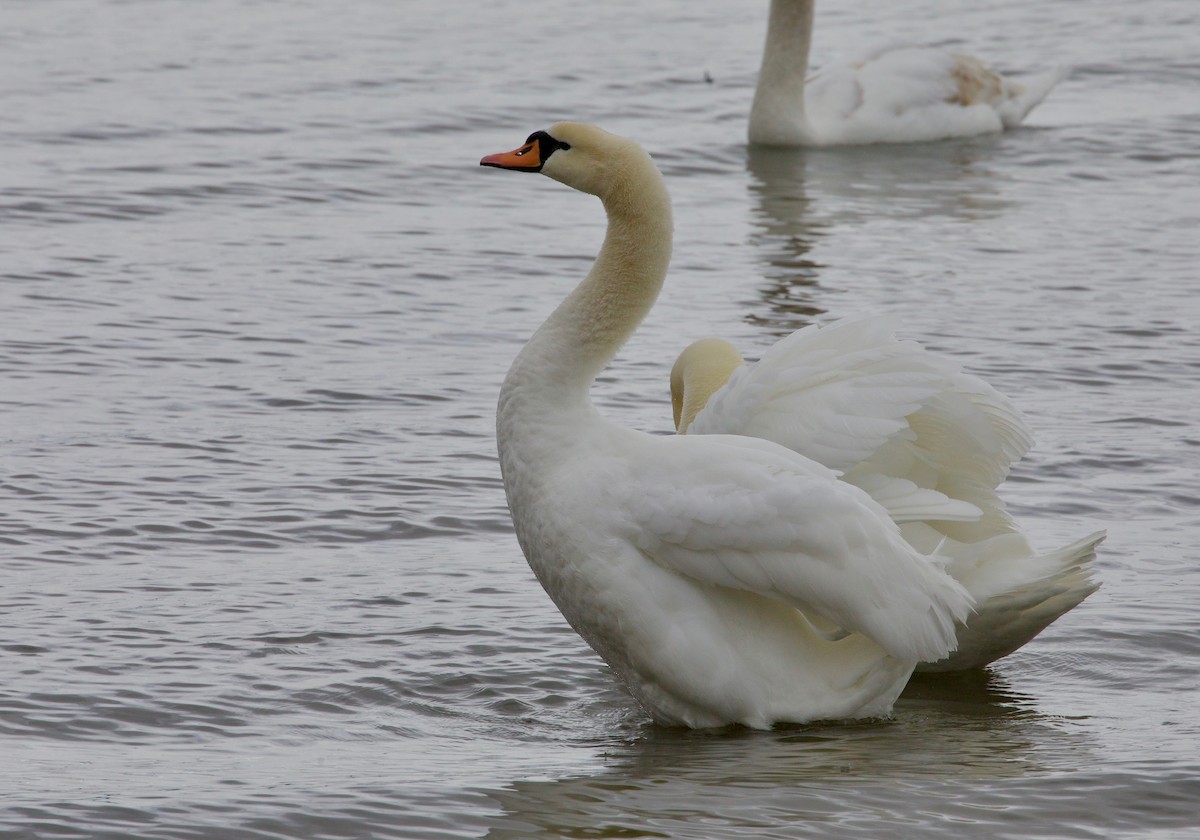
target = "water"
x: 258, y: 575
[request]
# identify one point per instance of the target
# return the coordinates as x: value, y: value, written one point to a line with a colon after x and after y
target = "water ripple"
x: 260, y: 579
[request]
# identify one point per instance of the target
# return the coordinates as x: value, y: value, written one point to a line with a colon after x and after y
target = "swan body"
x: 725, y: 579
x: 896, y: 95
x: 927, y: 441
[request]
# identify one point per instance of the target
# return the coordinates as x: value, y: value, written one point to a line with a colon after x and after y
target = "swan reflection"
x: 801, y: 196
x: 739, y: 782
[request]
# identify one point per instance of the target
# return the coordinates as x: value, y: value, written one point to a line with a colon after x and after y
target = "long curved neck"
x: 556, y: 368
x: 777, y: 115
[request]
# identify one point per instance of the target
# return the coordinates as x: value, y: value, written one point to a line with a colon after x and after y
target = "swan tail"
x: 1007, y: 620
x: 1026, y: 94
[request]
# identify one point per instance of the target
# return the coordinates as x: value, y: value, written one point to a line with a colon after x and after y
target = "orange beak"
x: 525, y: 159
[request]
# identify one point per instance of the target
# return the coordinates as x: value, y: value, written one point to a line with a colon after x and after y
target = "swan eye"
x: 546, y: 144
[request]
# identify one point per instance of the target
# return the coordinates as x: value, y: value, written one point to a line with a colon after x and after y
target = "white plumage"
x: 725, y: 579
x: 896, y: 95
x: 928, y: 442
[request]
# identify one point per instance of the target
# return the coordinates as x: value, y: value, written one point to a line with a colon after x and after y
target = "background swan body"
x: 895, y: 95
x: 725, y: 579
x: 927, y: 441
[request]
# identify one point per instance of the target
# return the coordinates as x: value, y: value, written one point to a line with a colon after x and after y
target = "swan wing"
x: 919, y: 93
x: 889, y: 416
x: 965, y: 441
x: 834, y: 393
x: 749, y: 515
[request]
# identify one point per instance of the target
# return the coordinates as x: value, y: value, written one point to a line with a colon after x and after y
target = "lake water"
x: 257, y: 573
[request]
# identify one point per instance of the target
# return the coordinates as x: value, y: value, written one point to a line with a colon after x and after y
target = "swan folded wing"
x: 786, y: 529
x: 917, y: 77
x: 892, y: 79
x: 904, y: 95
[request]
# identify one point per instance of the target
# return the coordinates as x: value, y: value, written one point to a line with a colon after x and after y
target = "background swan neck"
x: 557, y: 366
x: 777, y: 115
x: 699, y: 385
x: 700, y: 371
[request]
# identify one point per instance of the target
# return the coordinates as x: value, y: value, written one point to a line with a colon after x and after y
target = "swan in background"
x: 896, y: 95
x: 724, y: 579
x: 895, y: 420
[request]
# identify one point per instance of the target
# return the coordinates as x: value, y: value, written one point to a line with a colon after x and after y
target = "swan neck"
x: 556, y: 368
x: 777, y: 115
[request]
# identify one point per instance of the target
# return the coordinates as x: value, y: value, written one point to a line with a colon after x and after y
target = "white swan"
x: 888, y: 415
x: 724, y: 579
x: 897, y: 95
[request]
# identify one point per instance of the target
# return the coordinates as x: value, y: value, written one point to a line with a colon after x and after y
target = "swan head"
x: 584, y: 157
x: 698, y: 373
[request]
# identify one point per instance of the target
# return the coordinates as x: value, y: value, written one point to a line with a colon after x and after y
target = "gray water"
x: 258, y: 577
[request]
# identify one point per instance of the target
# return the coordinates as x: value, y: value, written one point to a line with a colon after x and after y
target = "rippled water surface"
x: 258, y: 577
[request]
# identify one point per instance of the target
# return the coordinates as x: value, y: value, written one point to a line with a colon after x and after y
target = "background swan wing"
x: 965, y: 440
x: 748, y: 515
x: 885, y: 413
x: 834, y: 393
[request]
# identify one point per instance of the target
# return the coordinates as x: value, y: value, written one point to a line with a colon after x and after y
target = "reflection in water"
x: 801, y: 195
x: 666, y: 782
x: 786, y: 228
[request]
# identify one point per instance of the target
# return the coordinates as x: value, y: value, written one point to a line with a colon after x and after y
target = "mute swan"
x: 896, y: 95
x: 886, y: 414
x: 724, y: 579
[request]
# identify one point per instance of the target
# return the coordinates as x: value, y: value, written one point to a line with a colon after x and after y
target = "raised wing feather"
x: 749, y: 515
x: 834, y: 394
x: 856, y: 399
